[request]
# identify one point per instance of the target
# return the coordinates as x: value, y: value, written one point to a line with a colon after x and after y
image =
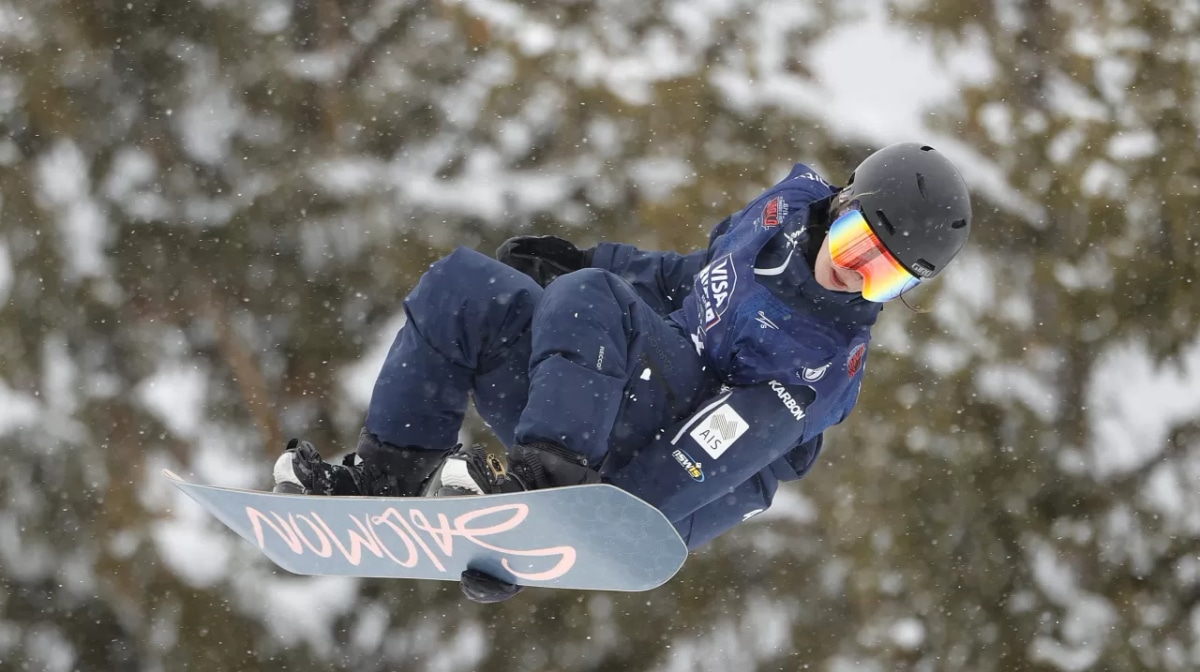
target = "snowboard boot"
x: 375, y: 469
x: 472, y: 471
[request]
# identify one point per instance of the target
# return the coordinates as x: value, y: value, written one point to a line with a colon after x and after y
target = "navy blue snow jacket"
x: 699, y: 401
x: 791, y: 355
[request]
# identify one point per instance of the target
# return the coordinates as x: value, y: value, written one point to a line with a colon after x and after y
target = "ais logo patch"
x: 719, y: 430
x: 689, y: 465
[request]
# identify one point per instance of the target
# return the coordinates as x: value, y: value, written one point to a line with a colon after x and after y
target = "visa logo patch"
x: 719, y: 430
x: 715, y: 283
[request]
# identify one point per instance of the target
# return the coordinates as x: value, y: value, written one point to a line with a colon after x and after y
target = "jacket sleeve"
x: 718, y: 449
x: 748, y: 499
x: 661, y: 279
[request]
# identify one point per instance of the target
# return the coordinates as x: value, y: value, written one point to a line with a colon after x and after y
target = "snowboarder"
x: 697, y: 382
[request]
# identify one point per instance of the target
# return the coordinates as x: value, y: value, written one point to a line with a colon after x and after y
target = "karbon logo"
x: 789, y: 402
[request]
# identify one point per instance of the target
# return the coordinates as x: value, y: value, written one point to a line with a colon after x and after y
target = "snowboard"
x: 585, y: 537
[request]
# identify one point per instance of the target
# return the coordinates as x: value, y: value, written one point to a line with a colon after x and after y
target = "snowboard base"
x: 586, y: 537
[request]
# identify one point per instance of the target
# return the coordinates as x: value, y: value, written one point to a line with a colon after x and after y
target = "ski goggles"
x: 855, y: 247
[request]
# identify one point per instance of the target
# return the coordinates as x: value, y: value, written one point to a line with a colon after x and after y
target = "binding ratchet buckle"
x: 497, y: 467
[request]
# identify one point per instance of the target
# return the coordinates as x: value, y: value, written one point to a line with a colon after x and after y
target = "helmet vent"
x: 921, y: 185
x: 958, y: 223
x: 927, y: 148
x: 884, y: 221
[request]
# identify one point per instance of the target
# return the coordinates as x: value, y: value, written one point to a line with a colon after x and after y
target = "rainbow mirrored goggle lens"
x: 855, y: 247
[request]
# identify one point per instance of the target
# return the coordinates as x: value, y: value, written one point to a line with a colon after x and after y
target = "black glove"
x: 486, y: 589
x: 543, y: 258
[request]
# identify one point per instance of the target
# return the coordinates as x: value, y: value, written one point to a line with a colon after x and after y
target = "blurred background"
x: 210, y: 211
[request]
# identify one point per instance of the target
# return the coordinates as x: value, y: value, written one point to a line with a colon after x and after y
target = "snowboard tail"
x: 589, y: 537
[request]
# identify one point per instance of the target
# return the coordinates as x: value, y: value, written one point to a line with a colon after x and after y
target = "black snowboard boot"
x: 472, y: 471
x: 375, y: 469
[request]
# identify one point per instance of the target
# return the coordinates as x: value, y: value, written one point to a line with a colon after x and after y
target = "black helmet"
x: 917, y: 204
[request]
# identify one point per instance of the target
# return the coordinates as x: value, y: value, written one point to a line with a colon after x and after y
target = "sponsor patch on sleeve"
x: 716, y: 433
x: 689, y: 465
x: 794, y: 407
x: 714, y: 285
x: 774, y: 212
x: 855, y: 360
x: 813, y: 375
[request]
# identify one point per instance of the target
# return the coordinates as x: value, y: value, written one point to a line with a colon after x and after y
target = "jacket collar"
x: 795, y: 248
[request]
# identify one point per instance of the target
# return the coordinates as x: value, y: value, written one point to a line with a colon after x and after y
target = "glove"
x: 486, y: 589
x: 543, y: 258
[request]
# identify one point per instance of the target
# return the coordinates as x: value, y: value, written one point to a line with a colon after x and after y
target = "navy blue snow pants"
x: 584, y: 362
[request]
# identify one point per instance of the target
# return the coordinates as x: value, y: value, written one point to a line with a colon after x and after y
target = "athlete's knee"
x: 584, y: 277
x: 466, y: 277
x: 588, y: 285
x: 459, y: 272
